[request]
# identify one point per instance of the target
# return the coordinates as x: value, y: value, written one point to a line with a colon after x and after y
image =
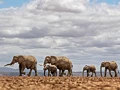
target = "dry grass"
x: 58, y: 83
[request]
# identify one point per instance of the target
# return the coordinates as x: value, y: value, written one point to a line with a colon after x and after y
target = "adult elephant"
x: 28, y: 62
x: 89, y: 68
x: 61, y: 62
x: 111, y: 66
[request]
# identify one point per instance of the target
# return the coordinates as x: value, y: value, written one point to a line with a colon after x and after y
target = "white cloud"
x: 86, y: 32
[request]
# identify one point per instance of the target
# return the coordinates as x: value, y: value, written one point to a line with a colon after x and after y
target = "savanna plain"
x: 58, y: 83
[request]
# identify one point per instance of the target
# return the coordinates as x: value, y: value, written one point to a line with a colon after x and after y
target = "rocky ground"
x: 58, y: 83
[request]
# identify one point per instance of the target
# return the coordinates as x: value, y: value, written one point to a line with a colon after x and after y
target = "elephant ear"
x: 103, y: 64
x: 53, y: 60
x: 21, y: 59
x: 15, y: 58
x: 87, y: 67
x: 107, y: 64
x: 47, y: 59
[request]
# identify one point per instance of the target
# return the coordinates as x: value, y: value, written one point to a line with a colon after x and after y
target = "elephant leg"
x: 115, y: 73
x: 92, y: 74
x: 30, y: 72
x: 110, y: 72
x: 44, y: 72
x: 56, y: 73
x: 53, y: 74
x: 87, y: 73
x: 20, y: 70
x: 62, y: 72
x: 59, y: 72
x: 95, y: 73
x: 49, y: 73
x: 71, y: 72
x: 36, y: 74
x: 35, y: 69
x: 105, y: 72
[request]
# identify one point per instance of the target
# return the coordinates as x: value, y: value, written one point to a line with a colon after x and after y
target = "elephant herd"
x: 62, y: 63
x: 111, y: 66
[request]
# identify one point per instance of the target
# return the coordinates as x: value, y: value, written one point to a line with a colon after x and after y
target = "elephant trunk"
x: 83, y: 73
x: 13, y: 61
x: 44, y: 72
x: 8, y: 64
x: 44, y: 63
x: 101, y: 71
x: 44, y: 67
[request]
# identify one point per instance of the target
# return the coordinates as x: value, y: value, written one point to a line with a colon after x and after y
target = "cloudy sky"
x: 86, y: 31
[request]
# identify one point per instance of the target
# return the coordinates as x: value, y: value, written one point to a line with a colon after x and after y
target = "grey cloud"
x: 63, y: 6
x: 34, y: 33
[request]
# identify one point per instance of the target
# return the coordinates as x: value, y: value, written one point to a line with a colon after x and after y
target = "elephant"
x: 28, y: 62
x: 111, y: 66
x: 52, y: 69
x: 61, y: 62
x: 89, y: 68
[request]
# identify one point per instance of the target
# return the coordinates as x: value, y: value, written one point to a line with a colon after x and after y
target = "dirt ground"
x: 58, y: 83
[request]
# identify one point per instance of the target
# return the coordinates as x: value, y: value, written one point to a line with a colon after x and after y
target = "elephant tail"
x: 118, y: 71
x: 71, y: 66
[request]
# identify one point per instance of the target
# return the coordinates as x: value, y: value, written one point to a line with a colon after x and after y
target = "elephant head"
x: 16, y: 59
x: 86, y: 67
x: 50, y: 59
x: 104, y: 64
x: 46, y: 67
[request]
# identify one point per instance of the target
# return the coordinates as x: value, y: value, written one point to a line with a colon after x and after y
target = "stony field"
x: 58, y: 83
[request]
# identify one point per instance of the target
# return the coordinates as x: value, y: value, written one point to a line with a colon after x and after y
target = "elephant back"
x: 93, y: 67
x: 30, y: 58
x: 113, y: 65
x: 30, y: 62
x: 63, y: 58
x: 63, y: 63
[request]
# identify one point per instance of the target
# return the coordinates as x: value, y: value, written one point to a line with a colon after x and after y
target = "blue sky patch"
x: 12, y: 3
x: 112, y: 2
x: 18, y: 3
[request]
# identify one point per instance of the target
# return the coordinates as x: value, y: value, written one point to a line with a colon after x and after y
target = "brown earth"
x: 58, y: 83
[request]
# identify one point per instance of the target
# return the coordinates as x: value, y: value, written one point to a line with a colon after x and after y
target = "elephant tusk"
x: 41, y: 64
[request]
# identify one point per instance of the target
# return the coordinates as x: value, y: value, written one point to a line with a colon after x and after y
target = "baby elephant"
x: 89, y: 68
x: 52, y: 69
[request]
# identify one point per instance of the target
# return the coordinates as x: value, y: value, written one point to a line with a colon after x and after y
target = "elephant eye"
x: 47, y: 58
x: 15, y: 59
